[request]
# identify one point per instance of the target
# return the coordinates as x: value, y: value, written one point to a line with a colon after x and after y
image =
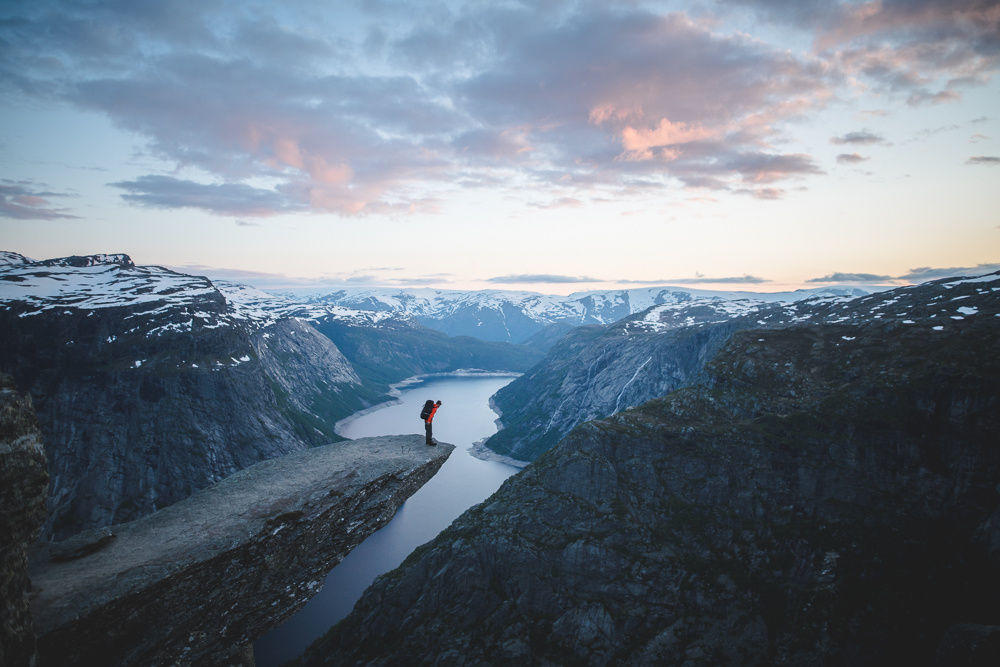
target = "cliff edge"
x: 196, y: 582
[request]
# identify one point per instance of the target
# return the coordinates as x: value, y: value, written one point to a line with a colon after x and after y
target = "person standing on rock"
x: 427, y: 414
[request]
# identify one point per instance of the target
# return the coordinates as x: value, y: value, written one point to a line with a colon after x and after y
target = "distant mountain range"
x: 516, y: 317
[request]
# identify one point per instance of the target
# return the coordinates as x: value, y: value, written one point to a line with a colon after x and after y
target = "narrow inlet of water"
x: 463, y: 481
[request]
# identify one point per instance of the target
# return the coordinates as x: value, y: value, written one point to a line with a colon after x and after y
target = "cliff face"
x: 150, y: 385
x: 198, y: 581
x: 594, y: 372
x: 829, y: 494
x: 23, y: 482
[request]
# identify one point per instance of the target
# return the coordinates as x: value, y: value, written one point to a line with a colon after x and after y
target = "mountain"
x: 826, y: 495
x: 383, y: 346
x: 8, y: 258
x: 515, y: 317
x: 396, y: 350
x: 150, y: 384
x: 594, y: 372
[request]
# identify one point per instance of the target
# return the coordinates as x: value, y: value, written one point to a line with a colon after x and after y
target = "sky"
x: 550, y: 146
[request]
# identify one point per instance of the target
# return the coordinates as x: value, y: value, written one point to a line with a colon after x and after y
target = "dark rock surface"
x: 594, y: 372
x: 199, y: 580
x: 23, y: 482
x: 830, y: 494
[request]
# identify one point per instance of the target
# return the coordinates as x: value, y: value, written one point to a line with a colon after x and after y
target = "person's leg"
x: 427, y: 430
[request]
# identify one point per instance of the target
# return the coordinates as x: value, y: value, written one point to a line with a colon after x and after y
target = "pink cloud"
x: 666, y: 133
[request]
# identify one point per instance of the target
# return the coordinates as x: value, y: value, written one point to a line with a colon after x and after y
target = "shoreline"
x: 479, y: 450
x: 395, y: 391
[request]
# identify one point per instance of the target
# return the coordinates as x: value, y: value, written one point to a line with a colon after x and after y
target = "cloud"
x: 221, y: 198
x: 851, y: 158
x: 839, y: 277
x: 23, y: 200
x: 922, y: 274
x: 926, y: 273
x: 384, y: 108
x: 920, y: 50
x: 542, y: 278
x: 984, y: 159
x: 860, y: 137
x: 246, y: 223
x: 379, y: 108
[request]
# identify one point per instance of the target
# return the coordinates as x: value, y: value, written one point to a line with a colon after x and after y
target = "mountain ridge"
x: 593, y: 372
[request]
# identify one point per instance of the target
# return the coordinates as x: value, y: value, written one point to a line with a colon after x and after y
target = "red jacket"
x: 431, y: 415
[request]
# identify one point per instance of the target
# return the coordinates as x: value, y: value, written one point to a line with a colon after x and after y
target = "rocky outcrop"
x: 150, y: 384
x: 23, y: 482
x: 828, y: 495
x: 594, y: 372
x: 198, y: 581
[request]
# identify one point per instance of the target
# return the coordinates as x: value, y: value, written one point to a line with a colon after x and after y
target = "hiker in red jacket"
x: 427, y: 423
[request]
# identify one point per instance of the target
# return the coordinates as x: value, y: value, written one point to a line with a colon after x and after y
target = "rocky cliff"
x: 150, y: 384
x: 827, y: 495
x: 23, y: 482
x: 594, y: 372
x: 196, y: 582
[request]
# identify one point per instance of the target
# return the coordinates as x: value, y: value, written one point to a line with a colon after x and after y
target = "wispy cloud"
x: 851, y: 158
x: 984, y: 159
x: 859, y: 137
x: 27, y: 200
x: 840, y: 277
x: 221, y: 198
x: 925, y: 273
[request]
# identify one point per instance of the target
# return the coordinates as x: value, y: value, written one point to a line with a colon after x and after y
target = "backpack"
x: 426, y: 412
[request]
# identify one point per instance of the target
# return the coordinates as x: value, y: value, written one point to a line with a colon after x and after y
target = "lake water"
x: 464, y: 480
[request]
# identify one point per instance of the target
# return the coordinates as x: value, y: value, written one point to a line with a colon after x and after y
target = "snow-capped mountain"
x: 173, y: 302
x: 150, y: 384
x: 598, y: 371
x: 516, y: 316
x: 8, y: 258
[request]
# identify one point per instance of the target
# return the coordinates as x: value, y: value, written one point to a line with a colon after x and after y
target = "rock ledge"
x: 200, y: 579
